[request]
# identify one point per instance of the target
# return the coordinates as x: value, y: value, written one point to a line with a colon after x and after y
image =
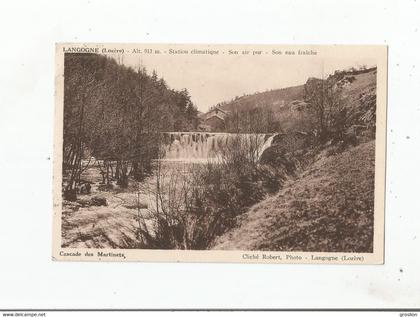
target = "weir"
x: 207, y: 146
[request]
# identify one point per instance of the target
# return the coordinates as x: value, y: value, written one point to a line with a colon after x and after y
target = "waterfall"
x: 204, y: 146
x: 266, y: 144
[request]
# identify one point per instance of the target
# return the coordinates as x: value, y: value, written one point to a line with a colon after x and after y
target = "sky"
x: 216, y: 78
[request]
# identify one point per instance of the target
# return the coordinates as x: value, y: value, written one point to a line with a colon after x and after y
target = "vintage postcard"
x: 220, y: 153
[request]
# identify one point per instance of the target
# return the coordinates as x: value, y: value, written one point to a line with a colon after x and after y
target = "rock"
x: 271, y: 154
x: 277, y: 157
x: 293, y: 142
x: 70, y: 195
x: 85, y: 188
x: 135, y: 206
x: 98, y: 201
x: 71, y: 205
x: 105, y: 187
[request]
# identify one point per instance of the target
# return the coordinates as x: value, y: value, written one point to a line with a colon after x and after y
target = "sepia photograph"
x: 209, y: 157
x: 272, y: 152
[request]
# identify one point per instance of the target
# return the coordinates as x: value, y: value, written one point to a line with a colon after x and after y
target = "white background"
x: 28, y: 277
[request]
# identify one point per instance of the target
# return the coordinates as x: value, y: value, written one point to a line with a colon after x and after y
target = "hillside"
x: 275, y: 99
x: 327, y: 204
x: 285, y: 105
x: 327, y: 207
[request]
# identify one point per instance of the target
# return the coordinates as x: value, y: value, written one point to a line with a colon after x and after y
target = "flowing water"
x: 115, y: 225
x: 206, y: 146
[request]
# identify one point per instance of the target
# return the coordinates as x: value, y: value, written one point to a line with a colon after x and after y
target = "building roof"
x: 218, y: 109
x: 215, y: 116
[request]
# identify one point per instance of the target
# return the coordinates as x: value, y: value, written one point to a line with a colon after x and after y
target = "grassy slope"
x: 271, y: 98
x: 362, y: 82
x: 327, y: 207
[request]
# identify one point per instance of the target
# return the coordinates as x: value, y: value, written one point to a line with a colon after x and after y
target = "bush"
x: 328, y: 106
x: 200, y: 202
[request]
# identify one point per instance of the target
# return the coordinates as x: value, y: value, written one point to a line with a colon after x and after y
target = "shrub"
x: 196, y: 204
x: 328, y: 106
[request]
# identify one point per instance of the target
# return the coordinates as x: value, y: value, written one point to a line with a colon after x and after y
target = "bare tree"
x: 328, y: 107
x: 80, y: 89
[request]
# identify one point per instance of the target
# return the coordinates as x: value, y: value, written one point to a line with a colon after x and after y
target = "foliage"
x: 252, y: 120
x: 197, y: 204
x: 115, y: 113
x: 328, y: 107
